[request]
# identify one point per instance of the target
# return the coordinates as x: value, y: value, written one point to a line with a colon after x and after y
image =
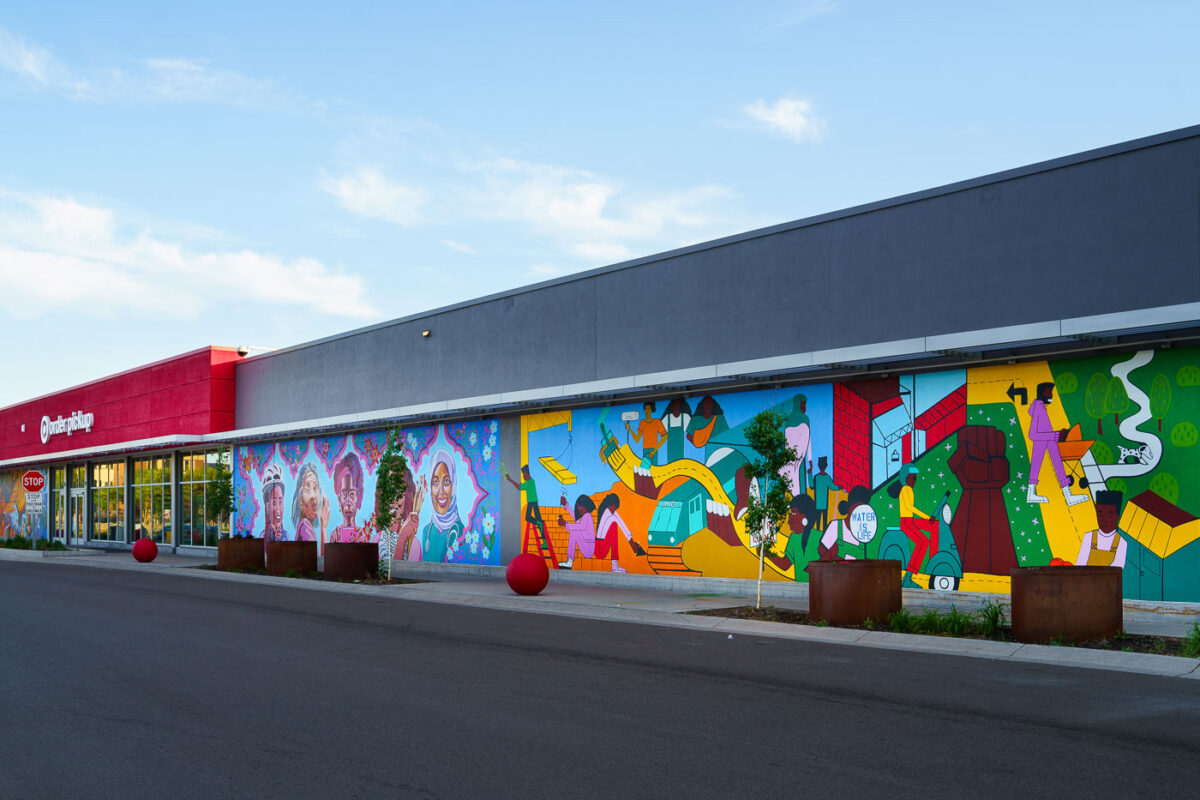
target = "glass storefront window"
x: 200, y: 525
x: 58, y: 500
x: 108, y: 501
x: 151, y: 497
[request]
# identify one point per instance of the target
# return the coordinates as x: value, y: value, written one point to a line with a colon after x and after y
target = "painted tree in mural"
x: 1066, y: 383
x: 768, y: 510
x: 1116, y: 400
x: 390, y: 487
x: 1093, y: 400
x: 1160, y: 398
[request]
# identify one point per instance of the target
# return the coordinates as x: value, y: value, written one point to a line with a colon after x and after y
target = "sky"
x: 264, y: 174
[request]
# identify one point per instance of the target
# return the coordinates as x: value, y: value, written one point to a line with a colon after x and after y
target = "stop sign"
x: 33, y: 481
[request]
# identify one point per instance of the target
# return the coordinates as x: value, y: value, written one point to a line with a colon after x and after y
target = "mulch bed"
x: 1128, y: 643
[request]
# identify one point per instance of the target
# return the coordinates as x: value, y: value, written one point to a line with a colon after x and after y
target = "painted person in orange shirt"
x: 650, y: 432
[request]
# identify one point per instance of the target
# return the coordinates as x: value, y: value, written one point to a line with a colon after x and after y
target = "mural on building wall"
x: 21, y: 513
x: 324, y: 490
x: 960, y: 475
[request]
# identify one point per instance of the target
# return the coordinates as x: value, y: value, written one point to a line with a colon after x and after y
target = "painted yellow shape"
x: 706, y: 553
x: 560, y: 473
x: 1155, y: 535
x: 1065, y: 525
x: 622, y: 461
x: 538, y: 422
x: 981, y: 582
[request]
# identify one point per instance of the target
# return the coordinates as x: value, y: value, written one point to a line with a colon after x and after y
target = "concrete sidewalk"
x: 637, y: 604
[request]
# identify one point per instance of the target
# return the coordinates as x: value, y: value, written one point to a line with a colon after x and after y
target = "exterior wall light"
x: 425, y: 333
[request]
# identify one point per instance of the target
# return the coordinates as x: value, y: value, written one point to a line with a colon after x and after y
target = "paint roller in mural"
x: 324, y: 490
x: 934, y: 469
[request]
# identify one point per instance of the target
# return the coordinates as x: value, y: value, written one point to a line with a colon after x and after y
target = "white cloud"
x: 60, y: 255
x: 368, y: 193
x: 789, y: 117
x: 149, y: 80
x: 608, y: 252
x: 459, y: 246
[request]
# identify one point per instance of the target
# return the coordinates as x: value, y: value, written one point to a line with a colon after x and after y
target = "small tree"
x: 390, y: 487
x: 766, y: 513
x: 1116, y: 400
x: 221, y: 489
x: 1160, y: 398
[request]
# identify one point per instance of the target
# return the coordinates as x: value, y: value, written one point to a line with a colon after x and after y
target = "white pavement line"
x: 430, y: 592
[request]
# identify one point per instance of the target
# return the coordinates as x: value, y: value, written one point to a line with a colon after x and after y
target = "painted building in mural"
x: 961, y: 475
x: 1003, y: 372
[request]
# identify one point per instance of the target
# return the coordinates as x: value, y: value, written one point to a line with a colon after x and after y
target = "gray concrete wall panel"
x: 1112, y: 231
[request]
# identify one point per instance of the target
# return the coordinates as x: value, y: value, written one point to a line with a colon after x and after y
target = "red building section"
x: 945, y: 417
x: 855, y: 405
x: 187, y: 395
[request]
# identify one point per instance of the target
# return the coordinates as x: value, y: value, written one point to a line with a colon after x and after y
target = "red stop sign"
x: 33, y: 481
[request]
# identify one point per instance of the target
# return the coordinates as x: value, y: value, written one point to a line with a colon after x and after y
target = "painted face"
x: 441, y: 488
x: 797, y: 520
x: 347, y: 495
x: 1107, y: 518
x: 310, y: 494
x: 275, y: 508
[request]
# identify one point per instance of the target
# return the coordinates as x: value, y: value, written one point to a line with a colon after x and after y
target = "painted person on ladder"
x: 533, y: 514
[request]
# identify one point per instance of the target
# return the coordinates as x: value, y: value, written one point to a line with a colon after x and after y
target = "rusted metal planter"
x: 851, y: 592
x: 237, y: 553
x: 1066, y: 603
x: 351, y: 561
x: 284, y: 557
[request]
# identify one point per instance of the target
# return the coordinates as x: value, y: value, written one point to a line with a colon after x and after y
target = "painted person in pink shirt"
x: 1045, y: 442
x: 608, y: 532
x: 348, y: 482
x: 581, y: 530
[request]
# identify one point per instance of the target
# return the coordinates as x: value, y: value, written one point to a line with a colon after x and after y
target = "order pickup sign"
x: 33, y: 481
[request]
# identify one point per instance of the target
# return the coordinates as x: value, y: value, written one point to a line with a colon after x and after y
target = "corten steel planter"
x: 851, y: 592
x: 284, y: 557
x: 351, y: 560
x: 240, y: 554
x: 1066, y: 603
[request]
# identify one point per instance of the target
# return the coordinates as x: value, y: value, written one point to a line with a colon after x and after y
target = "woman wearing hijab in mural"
x: 307, y: 504
x: 581, y: 531
x: 445, y: 525
x: 348, y: 483
x: 608, y: 531
x: 405, y: 514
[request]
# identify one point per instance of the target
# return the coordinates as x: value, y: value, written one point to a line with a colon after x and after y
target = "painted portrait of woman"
x: 310, y: 508
x: 445, y: 526
x: 348, y: 483
x: 405, y: 514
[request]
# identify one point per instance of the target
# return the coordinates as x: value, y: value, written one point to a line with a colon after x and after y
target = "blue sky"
x: 270, y: 173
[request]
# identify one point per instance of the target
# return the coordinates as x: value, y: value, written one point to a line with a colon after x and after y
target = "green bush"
x: 1191, y: 644
x: 1184, y: 434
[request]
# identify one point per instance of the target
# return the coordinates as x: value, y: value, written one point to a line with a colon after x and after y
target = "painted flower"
x: 495, y: 425
x: 412, y: 442
x: 489, y: 523
x: 492, y: 440
x: 473, y: 438
x: 487, y: 553
x: 473, y: 542
x: 487, y: 453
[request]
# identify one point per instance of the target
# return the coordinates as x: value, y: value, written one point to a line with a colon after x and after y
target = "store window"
x: 199, y: 524
x: 58, y: 502
x: 151, y: 498
x: 108, y: 502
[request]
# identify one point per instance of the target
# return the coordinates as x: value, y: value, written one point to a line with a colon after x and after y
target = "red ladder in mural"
x: 542, y: 540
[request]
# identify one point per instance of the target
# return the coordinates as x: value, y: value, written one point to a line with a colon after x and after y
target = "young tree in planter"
x: 767, y: 511
x: 390, y: 489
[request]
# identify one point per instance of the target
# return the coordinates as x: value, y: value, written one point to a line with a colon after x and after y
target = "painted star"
x: 1023, y: 558
x: 1036, y: 522
x: 1012, y: 420
x: 941, y: 474
x: 949, y: 447
x: 1019, y: 476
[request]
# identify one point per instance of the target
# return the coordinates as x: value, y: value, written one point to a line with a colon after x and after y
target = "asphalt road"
x: 136, y: 685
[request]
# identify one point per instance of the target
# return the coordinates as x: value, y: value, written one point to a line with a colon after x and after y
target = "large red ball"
x: 527, y: 574
x: 145, y: 550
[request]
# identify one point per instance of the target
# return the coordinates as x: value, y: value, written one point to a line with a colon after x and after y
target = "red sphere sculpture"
x: 145, y: 550
x: 527, y: 574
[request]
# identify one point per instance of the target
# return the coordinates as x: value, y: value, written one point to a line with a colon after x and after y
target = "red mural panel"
x: 190, y: 394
